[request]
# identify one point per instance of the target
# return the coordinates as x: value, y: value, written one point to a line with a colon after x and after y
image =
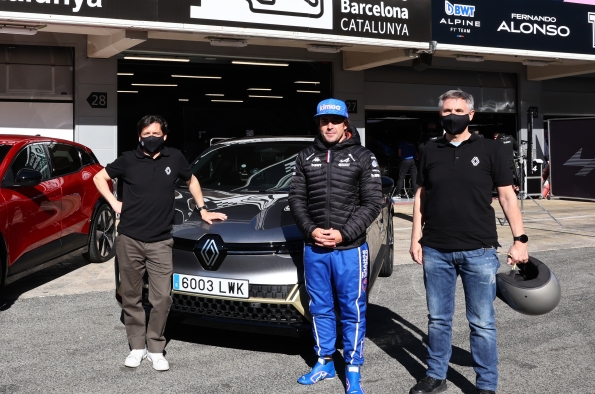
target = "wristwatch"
x: 521, y: 238
x: 201, y: 208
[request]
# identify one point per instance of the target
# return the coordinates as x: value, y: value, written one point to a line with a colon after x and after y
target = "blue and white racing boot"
x: 353, y: 380
x: 323, y: 369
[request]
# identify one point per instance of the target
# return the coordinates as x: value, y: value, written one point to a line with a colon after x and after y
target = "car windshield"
x: 264, y: 166
x: 3, y: 151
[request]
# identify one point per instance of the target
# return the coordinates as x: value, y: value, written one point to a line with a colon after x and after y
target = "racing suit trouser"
x: 347, y: 272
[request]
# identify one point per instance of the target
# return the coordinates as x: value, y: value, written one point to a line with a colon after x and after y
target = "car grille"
x: 264, y: 291
x: 232, y: 309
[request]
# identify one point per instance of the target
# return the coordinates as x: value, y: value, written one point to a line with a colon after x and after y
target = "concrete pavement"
x: 76, y: 344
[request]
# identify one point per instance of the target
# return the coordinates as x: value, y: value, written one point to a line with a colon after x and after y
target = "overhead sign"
x: 572, y: 157
x: 530, y: 25
x: 402, y: 20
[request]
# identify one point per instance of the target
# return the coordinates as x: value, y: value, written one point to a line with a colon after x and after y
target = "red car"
x: 49, y: 205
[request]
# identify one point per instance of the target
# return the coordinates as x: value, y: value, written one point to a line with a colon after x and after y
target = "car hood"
x: 251, y: 217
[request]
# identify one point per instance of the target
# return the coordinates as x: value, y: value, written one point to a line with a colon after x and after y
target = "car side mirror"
x: 27, y: 177
x: 387, y: 185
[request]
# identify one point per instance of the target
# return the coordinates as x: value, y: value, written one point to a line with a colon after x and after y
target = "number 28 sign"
x: 97, y: 100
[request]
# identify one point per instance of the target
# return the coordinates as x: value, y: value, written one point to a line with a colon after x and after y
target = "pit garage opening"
x: 386, y: 129
x: 206, y: 98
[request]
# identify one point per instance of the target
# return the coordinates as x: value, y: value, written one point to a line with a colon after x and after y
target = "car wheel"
x: 3, y: 263
x: 102, y: 237
x: 2, y: 274
x: 387, y: 266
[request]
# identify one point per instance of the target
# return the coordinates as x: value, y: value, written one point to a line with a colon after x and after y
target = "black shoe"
x: 480, y: 391
x: 429, y: 385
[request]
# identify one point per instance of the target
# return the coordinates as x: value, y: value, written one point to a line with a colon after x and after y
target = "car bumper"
x: 272, y: 309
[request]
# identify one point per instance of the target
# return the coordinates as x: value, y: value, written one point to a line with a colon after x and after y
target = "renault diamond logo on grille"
x: 210, y: 252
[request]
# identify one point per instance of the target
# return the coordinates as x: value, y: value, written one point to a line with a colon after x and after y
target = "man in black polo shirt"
x: 453, y: 209
x: 144, y: 243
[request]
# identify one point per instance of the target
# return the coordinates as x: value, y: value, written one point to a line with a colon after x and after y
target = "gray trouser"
x: 134, y: 258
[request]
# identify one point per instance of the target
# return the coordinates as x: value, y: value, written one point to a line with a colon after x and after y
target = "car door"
x: 33, y: 227
x: 67, y: 169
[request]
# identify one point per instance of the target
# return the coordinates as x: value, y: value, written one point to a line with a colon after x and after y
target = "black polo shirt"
x: 458, y: 182
x: 148, y: 192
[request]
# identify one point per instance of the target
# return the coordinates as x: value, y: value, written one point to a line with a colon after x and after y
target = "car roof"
x: 13, y: 139
x: 266, y: 138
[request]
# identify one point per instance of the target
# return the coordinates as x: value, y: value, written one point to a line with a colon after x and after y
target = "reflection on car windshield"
x: 249, y: 167
x: 3, y: 151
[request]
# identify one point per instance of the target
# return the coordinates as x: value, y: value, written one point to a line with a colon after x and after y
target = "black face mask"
x: 455, y: 124
x: 152, y: 144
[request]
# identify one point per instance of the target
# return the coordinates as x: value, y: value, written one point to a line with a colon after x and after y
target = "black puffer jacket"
x: 338, y: 188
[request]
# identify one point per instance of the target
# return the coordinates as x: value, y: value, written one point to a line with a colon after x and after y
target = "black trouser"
x: 135, y: 258
x: 407, y: 165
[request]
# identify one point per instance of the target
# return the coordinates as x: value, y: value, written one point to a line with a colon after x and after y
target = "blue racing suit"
x: 337, y: 187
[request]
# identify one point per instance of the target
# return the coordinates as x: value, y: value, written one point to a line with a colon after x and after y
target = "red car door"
x: 78, y: 194
x: 33, y: 225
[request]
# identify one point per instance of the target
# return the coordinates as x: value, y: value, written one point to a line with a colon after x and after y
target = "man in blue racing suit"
x: 335, y: 196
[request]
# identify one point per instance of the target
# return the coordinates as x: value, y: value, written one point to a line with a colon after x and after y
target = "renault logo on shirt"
x: 210, y: 252
x: 475, y: 161
x: 168, y: 171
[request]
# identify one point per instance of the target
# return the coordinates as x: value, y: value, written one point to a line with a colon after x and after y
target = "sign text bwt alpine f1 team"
x: 403, y: 20
x: 536, y: 25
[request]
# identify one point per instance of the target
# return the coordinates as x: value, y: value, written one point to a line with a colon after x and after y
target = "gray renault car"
x: 246, y: 273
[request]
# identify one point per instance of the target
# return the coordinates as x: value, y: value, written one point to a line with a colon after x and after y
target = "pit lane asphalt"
x: 75, y: 343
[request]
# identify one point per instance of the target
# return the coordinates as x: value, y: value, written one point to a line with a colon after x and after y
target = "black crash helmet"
x: 532, y: 289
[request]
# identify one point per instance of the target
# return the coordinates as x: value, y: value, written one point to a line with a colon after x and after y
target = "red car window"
x: 32, y: 157
x: 65, y: 159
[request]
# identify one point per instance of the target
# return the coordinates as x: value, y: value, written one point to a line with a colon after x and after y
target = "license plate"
x: 213, y: 286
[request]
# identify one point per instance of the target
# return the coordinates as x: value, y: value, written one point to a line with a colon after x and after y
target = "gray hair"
x: 456, y: 94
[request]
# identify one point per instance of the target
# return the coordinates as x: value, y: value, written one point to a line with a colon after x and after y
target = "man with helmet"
x: 453, y: 210
x: 335, y: 196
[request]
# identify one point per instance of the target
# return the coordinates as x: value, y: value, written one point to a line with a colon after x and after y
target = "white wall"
x: 46, y: 119
x: 96, y: 128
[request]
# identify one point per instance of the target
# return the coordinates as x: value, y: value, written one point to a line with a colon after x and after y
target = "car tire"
x: 2, y: 274
x: 387, y: 267
x: 3, y: 263
x: 102, y: 234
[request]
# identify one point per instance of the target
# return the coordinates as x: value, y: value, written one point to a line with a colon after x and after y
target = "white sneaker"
x: 159, y: 362
x: 135, y: 357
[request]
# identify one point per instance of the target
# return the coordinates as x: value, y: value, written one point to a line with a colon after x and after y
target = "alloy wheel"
x: 105, y: 233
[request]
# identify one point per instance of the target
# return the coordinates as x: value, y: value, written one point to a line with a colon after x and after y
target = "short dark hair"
x: 148, y: 120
